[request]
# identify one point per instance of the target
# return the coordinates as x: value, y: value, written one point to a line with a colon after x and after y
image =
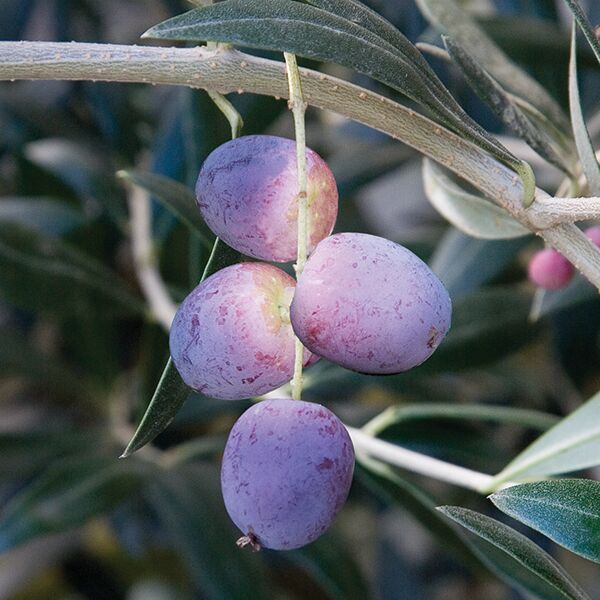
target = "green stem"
x: 298, y: 106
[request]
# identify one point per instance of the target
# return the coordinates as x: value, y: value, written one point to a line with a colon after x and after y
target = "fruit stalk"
x: 298, y: 105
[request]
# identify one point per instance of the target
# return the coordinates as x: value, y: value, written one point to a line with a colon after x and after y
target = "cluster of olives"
x: 361, y: 301
x: 550, y: 270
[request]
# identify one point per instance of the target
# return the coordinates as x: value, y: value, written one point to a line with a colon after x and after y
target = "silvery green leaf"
x: 452, y: 20
x: 542, y: 136
x: 585, y: 148
x: 571, y: 445
x: 472, y: 214
x: 585, y: 26
x: 515, y: 557
x: 565, y: 510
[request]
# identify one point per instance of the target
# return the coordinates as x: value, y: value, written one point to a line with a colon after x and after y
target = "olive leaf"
x: 585, y: 148
x: 546, y: 141
x: 565, y: 510
x: 472, y: 214
x: 309, y: 31
x: 516, y: 558
x: 452, y: 20
x: 171, y: 392
x: 584, y: 24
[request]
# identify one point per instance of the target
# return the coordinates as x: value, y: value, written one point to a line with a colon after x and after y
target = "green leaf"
x: 474, y: 215
x: 44, y: 274
x: 536, y: 40
x: 464, y: 263
x: 516, y: 558
x: 546, y: 141
x: 45, y: 215
x: 391, y: 488
x: 585, y: 148
x: 479, y: 412
x: 171, y: 392
x: 452, y: 20
x: 565, y: 510
x: 23, y: 453
x: 585, y: 26
x: 486, y: 326
x: 187, y: 502
x: 176, y: 197
x: 571, y: 445
x: 169, y: 396
x: 68, y: 494
x: 578, y: 291
x: 305, y: 30
x: 22, y: 359
x: 82, y: 170
x: 332, y: 566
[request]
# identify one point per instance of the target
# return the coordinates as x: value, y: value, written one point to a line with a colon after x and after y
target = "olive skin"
x: 370, y: 305
x: 286, y: 472
x: 247, y: 194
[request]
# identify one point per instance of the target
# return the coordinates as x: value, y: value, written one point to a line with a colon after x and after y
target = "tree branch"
x: 227, y: 70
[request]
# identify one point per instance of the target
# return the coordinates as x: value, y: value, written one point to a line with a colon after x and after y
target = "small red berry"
x: 550, y: 270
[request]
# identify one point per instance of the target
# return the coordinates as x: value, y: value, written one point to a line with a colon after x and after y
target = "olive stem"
x: 229, y: 111
x: 161, y: 305
x: 420, y: 463
x: 298, y: 105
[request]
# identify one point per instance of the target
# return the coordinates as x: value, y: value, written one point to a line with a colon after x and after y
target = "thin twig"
x: 420, y: 463
x: 298, y: 105
x: 161, y: 305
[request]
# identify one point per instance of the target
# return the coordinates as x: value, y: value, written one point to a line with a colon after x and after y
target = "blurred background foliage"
x: 79, y: 357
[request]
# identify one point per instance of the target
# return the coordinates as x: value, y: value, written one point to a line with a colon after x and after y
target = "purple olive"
x: 369, y: 305
x: 247, y: 194
x: 286, y: 472
x: 550, y: 270
x: 231, y: 337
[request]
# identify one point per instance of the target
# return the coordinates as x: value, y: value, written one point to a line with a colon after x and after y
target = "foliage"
x: 84, y: 364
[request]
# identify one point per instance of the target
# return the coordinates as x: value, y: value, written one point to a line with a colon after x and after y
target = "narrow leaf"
x: 305, y: 30
x: 454, y: 21
x: 565, y: 510
x: 486, y: 326
x: 477, y: 412
x: 332, y: 566
x: 176, y: 197
x: 82, y: 170
x: 571, y: 445
x: 544, y: 578
x: 474, y: 215
x: 392, y: 489
x: 67, y: 495
x: 465, y: 263
x: 585, y: 148
x: 578, y: 291
x: 171, y: 392
x: 65, y: 281
x: 188, y: 505
x: 45, y: 215
x: 585, y: 26
x: 503, y: 105
x: 168, y: 398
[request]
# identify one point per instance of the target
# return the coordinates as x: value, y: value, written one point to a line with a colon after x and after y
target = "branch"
x: 228, y: 71
x: 161, y: 305
x: 420, y: 463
